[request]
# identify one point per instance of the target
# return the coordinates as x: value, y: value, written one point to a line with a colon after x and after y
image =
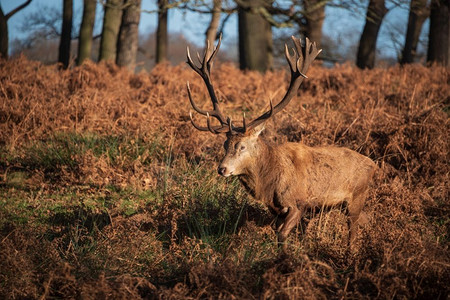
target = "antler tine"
x: 194, y: 106
x: 213, y: 129
x: 230, y: 126
x: 312, y: 51
x: 301, y: 53
x: 195, y: 125
x: 270, y: 112
x: 216, y: 49
x: 299, y: 64
x: 210, y: 128
x: 307, y: 48
x: 292, y: 60
x: 191, y: 63
x: 260, y: 119
x: 205, y: 60
x: 199, y: 58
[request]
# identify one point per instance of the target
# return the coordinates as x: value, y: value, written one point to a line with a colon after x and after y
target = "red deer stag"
x: 290, y: 177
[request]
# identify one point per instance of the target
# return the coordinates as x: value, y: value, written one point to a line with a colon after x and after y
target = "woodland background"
x: 108, y: 30
x: 107, y: 191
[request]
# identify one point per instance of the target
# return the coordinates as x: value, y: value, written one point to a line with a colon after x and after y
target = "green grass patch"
x: 211, y: 206
x: 62, y: 151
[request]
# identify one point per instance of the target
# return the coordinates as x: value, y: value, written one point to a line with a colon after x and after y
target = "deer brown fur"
x: 289, y: 177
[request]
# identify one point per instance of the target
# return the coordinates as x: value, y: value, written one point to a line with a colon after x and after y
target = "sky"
x: 340, y: 24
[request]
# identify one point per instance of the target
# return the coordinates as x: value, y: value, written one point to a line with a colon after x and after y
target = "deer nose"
x: 222, y: 171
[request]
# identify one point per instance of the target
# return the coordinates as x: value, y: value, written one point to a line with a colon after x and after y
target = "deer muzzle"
x: 224, y: 171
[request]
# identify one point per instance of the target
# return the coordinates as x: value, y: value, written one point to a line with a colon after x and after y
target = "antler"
x: 299, y: 64
x: 204, y: 70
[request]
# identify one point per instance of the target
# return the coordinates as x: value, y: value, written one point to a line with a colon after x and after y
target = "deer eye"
x: 241, y: 147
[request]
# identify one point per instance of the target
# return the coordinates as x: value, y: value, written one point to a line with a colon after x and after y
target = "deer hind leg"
x: 291, y: 219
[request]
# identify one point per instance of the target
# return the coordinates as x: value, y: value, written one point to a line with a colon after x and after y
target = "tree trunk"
x: 314, y: 15
x: 3, y: 35
x: 4, y: 39
x: 418, y: 13
x: 129, y: 35
x: 368, y: 42
x: 255, y: 37
x: 438, y: 41
x: 86, y: 29
x: 110, y: 31
x: 66, y: 33
x: 211, y: 32
x: 162, y: 39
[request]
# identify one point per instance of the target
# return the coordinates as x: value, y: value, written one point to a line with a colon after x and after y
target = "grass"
x: 118, y: 195
x: 74, y: 217
x: 61, y: 150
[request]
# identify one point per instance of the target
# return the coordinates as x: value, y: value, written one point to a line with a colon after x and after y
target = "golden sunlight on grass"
x: 106, y: 190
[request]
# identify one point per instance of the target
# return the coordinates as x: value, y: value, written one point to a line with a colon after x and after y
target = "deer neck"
x: 258, y: 177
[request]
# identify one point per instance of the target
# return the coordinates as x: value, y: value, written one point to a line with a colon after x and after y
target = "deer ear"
x: 257, y: 130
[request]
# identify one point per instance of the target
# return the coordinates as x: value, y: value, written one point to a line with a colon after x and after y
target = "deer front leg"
x: 356, y: 217
x: 291, y: 219
x: 280, y: 218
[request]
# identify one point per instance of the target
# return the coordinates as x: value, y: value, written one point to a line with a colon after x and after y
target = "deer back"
x: 293, y: 173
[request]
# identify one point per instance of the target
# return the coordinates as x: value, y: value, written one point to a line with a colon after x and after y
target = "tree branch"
x: 208, y: 11
x: 220, y: 31
x: 11, y: 13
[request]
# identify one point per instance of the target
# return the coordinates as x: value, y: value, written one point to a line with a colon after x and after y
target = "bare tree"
x: 418, y: 13
x: 306, y: 16
x: 46, y: 23
x: 43, y: 34
x: 368, y: 42
x: 86, y: 29
x: 66, y: 33
x: 438, y: 41
x: 4, y: 39
x: 255, y: 36
x: 211, y: 32
x: 215, y: 26
x: 314, y: 14
x: 129, y: 35
x: 256, y: 18
x: 110, y: 31
x: 161, y: 32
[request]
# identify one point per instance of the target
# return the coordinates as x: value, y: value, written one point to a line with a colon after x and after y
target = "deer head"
x: 242, y: 146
